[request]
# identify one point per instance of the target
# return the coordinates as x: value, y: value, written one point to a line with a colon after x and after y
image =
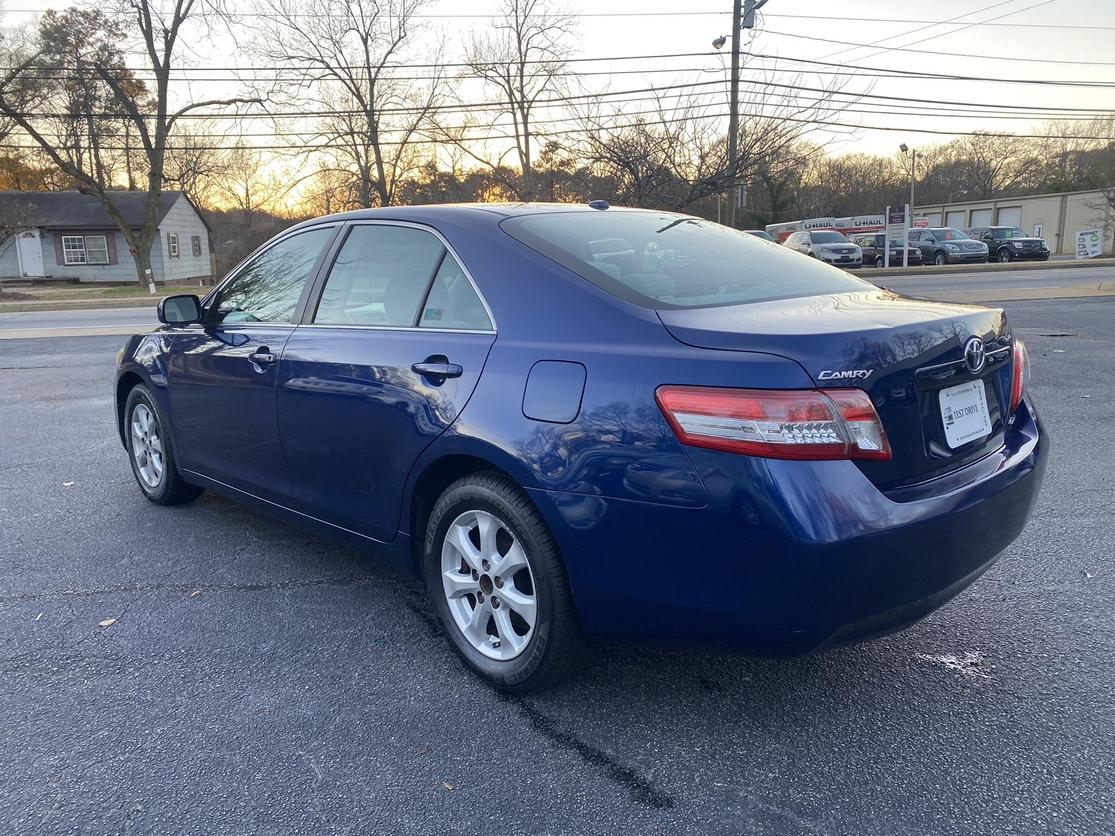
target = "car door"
x: 385, y: 361
x: 222, y: 373
x: 918, y: 239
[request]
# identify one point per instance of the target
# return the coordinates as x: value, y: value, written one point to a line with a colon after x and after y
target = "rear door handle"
x: 437, y: 370
x: 262, y: 356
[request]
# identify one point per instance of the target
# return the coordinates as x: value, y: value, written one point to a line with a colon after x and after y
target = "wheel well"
x: 432, y: 484
x: 127, y: 382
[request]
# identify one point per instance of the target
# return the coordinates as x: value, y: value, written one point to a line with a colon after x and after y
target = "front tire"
x: 499, y: 586
x: 1003, y: 256
x: 940, y: 259
x: 151, y: 451
x: 880, y: 261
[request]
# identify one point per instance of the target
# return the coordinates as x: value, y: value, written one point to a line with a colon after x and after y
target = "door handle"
x: 433, y: 369
x: 262, y: 356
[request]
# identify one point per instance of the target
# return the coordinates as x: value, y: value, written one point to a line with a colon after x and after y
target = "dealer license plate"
x: 964, y: 413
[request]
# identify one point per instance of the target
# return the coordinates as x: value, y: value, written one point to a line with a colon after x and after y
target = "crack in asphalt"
x: 640, y: 789
x: 139, y: 588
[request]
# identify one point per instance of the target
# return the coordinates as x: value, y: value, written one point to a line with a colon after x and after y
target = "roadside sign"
x: 898, y: 229
x: 1089, y: 243
x: 1039, y: 230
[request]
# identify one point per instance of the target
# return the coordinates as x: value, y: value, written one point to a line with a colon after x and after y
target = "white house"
x: 69, y: 235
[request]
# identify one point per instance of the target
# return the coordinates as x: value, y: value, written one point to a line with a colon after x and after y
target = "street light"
x: 743, y: 17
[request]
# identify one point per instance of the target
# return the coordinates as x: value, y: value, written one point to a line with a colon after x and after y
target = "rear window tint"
x: 660, y: 260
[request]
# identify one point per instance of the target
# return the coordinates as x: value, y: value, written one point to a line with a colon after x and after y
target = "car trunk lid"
x: 903, y: 352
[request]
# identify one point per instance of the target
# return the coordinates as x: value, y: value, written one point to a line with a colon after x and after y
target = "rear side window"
x: 660, y: 260
x: 385, y: 274
x: 452, y: 301
x: 380, y: 277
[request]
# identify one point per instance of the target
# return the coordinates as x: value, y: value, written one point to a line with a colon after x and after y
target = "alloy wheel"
x: 940, y: 259
x: 488, y: 585
x: 1004, y: 256
x: 147, y: 446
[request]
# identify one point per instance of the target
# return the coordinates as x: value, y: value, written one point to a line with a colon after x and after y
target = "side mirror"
x: 183, y: 309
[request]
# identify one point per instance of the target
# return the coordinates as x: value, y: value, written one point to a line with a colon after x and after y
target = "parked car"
x: 1009, y: 243
x: 466, y: 392
x: 828, y: 245
x: 874, y: 251
x: 761, y: 233
x: 945, y: 245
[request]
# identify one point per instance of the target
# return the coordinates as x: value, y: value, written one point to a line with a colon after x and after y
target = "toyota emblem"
x: 975, y: 355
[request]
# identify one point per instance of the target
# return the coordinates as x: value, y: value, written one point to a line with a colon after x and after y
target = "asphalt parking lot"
x: 257, y: 679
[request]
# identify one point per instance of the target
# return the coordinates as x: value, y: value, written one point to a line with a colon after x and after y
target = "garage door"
x: 981, y: 217
x: 1010, y: 216
x: 955, y: 219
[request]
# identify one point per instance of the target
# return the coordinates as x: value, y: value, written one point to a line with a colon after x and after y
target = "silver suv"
x: 828, y: 245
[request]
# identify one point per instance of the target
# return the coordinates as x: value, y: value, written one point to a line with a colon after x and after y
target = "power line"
x: 686, y: 13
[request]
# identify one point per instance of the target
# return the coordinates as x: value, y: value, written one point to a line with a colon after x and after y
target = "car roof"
x: 467, y: 212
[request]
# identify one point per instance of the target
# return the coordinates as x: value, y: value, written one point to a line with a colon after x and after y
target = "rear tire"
x: 516, y: 627
x: 151, y: 451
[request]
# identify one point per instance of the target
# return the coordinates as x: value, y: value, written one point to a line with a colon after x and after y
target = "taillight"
x: 1020, y: 374
x: 776, y: 424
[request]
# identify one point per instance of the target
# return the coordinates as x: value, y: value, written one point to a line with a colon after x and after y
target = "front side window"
x: 73, y: 249
x: 675, y: 261
x: 268, y: 288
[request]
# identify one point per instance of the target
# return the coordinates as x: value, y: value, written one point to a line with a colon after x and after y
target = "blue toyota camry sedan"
x: 579, y: 423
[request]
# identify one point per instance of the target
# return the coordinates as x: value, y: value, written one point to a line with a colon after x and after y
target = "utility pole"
x: 743, y: 17
x: 904, y: 148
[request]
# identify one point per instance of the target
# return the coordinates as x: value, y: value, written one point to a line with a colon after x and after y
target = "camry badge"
x: 975, y: 355
x: 850, y: 374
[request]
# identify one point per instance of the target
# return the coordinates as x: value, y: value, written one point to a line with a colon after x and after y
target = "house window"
x: 73, y: 248
x: 96, y: 249
x: 172, y: 244
x: 195, y: 244
x: 85, y: 249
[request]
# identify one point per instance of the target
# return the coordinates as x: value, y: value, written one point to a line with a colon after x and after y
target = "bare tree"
x: 37, y: 93
x: 521, y: 61
x: 676, y: 155
x: 338, y: 57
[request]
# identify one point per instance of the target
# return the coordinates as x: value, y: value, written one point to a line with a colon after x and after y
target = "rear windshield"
x: 674, y: 261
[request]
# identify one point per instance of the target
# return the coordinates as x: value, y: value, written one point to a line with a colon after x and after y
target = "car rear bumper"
x: 791, y: 557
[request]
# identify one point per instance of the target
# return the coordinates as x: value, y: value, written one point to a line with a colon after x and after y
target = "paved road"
x: 928, y: 282
x: 87, y: 323
x: 261, y: 680
x: 961, y: 286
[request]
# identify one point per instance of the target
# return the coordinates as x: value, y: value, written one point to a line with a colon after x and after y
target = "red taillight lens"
x: 1020, y: 374
x: 792, y: 424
